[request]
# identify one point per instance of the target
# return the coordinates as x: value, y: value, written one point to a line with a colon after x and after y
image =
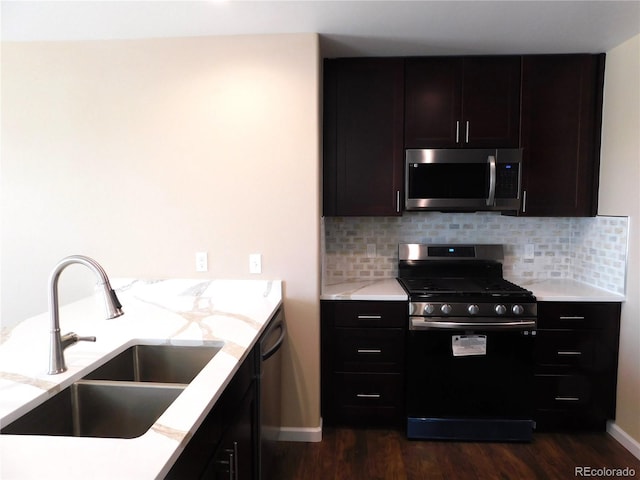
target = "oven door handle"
x: 419, y: 324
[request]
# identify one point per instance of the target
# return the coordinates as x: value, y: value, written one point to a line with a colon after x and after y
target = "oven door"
x: 467, y: 384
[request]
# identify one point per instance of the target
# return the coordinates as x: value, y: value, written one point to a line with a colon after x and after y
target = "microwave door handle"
x: 492, y: 180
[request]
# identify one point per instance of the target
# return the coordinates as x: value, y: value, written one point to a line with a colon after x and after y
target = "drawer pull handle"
x: 568, y: 353
x: 368, y: 395
x: 568, y: 399
x: 369, y: 350
x: 577, y: 317
x: 369, y: 317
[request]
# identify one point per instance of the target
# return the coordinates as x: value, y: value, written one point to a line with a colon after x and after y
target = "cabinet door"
x: 235, y: 457
x: 462, y: 102
x: 433, y: 102
x: 233, y: 418
x: 561, y: 123
x: 363, y: 147
x: 491, y: 102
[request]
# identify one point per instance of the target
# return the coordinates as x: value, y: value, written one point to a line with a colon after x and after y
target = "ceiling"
x: 347, y: 28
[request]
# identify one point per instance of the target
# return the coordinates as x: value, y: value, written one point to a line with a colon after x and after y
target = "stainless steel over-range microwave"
x: 463, y: 179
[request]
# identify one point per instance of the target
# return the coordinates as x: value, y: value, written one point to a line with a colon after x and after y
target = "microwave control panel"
x: 507, y: 180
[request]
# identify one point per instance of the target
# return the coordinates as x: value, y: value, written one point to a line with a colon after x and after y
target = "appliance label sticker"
x: 465, y: 345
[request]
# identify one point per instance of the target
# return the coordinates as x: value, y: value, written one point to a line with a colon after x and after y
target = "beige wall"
x: 620, y: 195
x: 140, y: 153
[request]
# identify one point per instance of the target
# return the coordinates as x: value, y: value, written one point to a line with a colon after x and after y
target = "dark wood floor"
x: 349, y: 454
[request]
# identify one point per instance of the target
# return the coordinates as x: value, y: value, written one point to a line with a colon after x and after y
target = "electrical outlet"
x: 255, y: 263
x: 371, y: 250
x: 202, y: 263
x: 529, y: 251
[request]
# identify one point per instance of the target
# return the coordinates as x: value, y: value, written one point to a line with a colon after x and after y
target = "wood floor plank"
x: 363, y: 454
x: 384, y: 459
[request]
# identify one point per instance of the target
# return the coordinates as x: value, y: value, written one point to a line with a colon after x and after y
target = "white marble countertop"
x: 169, y: 311
x: 566, y: 290
x: 384, y: 289
x: 551, y: 290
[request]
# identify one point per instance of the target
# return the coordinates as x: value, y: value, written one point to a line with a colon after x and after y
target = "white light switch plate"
x: 255, y: 263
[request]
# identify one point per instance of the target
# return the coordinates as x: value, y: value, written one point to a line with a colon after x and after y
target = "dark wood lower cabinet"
x: 235, y: 454
x: 362, y: 350
x: 576, y: 365
x: 224, y: 447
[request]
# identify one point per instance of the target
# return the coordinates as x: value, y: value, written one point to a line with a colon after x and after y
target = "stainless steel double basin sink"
x: 120, y: 399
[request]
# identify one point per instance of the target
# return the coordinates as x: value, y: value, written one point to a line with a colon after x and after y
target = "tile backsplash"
x: 590, y: 250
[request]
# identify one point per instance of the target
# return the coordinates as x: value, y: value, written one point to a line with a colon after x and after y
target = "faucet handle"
x: 71, y: 338
x: 85, y: 339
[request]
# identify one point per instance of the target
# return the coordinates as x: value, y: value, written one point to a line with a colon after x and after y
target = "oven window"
x: 448, y: 180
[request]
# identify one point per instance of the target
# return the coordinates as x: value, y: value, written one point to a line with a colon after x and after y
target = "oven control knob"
x: 446, y: 309
x: 517, y: 309
x: 429, y: 309
x: 501, y: 309
x: 473, y: 309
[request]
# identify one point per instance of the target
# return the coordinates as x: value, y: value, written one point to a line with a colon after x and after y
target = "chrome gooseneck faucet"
x: 58, y: 342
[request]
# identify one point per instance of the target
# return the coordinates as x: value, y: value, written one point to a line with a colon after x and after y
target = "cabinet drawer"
x: 367, y: 399
x: 577, y: 315
x: 562, y: 391
x: 368, y: 389
x: 372, y: 350
x: 370, y: 314
x: 566, y: 348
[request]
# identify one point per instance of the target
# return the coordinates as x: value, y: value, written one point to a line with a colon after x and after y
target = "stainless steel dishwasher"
x: 269, y: 384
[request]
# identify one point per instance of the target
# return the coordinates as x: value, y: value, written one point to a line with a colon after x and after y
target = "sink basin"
x: 120, y: 399
x: 98, y: 409
x: 157, y: 363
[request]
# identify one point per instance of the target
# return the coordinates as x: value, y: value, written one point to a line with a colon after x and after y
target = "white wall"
x: 140, y: 153
x: 620, y: 195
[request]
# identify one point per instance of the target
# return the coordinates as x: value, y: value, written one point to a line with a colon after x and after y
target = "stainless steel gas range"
x: 470, y: 347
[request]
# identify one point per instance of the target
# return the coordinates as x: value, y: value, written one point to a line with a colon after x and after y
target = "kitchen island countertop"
x: 165, y: 311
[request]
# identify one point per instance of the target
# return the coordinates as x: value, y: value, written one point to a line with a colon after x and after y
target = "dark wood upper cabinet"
x: 462, y: 102
x: 561, y: 125
x: 549, y: 105
x: 363, y: 142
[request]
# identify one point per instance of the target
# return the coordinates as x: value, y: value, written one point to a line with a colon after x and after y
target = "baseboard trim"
x: 624, y: 439
x: 296, y: 434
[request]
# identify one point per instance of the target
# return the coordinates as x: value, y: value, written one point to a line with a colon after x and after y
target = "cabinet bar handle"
x: 467, y: 135
x: 368, y: 395
x: 397, y: 201
x: 370, y: 317
x: 568, y: 352
x: 572, y: 318
x: 457, y: 131
x: 568, y: 399
x: 369, y: 350
x: 229, y: 463
x: 235, y: 461
x: 524, y: 201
